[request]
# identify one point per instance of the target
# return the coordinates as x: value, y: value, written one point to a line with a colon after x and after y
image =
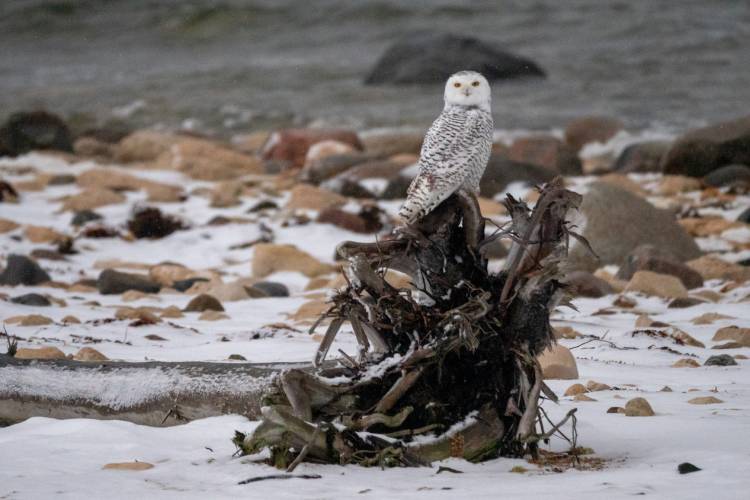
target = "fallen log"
x: 149, y: 393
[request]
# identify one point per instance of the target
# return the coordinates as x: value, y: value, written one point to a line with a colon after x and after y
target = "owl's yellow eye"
x: 456, y: 84
x: 475, y: 84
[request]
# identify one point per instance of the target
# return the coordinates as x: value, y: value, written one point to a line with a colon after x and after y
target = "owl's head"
x: 468, y: 88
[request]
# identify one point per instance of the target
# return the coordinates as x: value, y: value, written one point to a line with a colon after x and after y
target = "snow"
x: 47, y: 458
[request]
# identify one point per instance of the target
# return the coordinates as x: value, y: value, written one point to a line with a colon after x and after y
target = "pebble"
x: 720, y: 360
x: 31, y: 299
x: 204, y: 302
x: 638, y: 407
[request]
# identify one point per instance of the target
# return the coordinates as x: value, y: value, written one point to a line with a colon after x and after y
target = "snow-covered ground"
x: 46, y: 458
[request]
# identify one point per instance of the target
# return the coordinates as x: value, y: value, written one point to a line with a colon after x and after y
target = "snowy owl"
x: 456, y: 148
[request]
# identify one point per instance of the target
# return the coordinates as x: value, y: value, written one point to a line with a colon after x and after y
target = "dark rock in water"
x: 31, y: 299
x: 396, y: 188
x: 150, y: 222
x: 272, y: 288
x: 744, y: 216
x: 585, y: 284
x: 685, y: 302
x: 433, y: 57
x: 20, y: 270
x: 701, y: 151
x: 84, y: 216
x: 204, y: 302
x: 642, y: 157
x: 731, y: 175
x: 184, y: 285
x: 651, y: 258
x: 546, y: 151
x: 263, y: 205
x: 43, y: 253
x: 116, y: 282
x: 501, y: 172
x: 28, y: 131
x: 615, y: 222
x: 687, y: 468
x: 720, y: 360
x: 590, y: 129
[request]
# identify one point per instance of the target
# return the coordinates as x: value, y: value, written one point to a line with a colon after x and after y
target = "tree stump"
x: 448, y: 369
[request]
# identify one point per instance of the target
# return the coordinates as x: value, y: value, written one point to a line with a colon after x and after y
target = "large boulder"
x: 615, y: 222
x: 502, y: 171
x: 546, y: 151
x: 290, y: 146
x: 651, y: 258
x: 21, y: 270
x: 730, y: 175
x: 433, y: 57
x: 27, y: 131
x: 704, y: 150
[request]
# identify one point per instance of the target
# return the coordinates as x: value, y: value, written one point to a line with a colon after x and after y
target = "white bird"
x: 456, y: 148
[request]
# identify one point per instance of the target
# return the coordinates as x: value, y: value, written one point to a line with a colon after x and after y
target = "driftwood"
x: 448, y: 369
x: 148, y: 393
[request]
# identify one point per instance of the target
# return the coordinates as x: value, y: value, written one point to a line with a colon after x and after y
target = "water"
x: 229, y: 66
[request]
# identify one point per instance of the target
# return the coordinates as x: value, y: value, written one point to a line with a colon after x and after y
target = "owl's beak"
x: 467, y: 92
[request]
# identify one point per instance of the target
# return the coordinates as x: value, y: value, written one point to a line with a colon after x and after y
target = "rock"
x: 92, y: 198
x: 150, y: 222
x: 31, y: 299
x: 324, y: 149
x: 270, y: 258
x: 594, y: 386
x: 642, y: 157
x: 7, y: 226
x: 720, y: 360
x: 307, y: 197
x: 671, y: 185
x: 583, y: 397
x: 739, y: 335
x: 208, y: 161
x: 212, y: 316
x: 187, y: 284
x: 144, y: 315
x: 45, y: 254
x: 686, y: 363
x: 575, y: 389
x: 40, y: 234
x: 546, y: 151
x: 684, y: 302
x: 310, y: 311
x: 70, y: 320
x: 171, y: 312
x: 660, y: 285
x: 623, y: 182
x: 230, y: 292
x: 167, y: 274
x: 93, y: 148
x: 366, y: 222
x: 116, y: 282
x: 137, y: 466
x: 588, y: 129
x: 272, y: 289
x: 382, y: 144
x: 730, y: 175
x: 743, y: 217
x: 433, y: 57
x: 708, y: 318
x: 705, y: 400
x: 712, y: 268
x: 682, y: 337
x: 315, y: 172
x: 84, y: 216
x: 585, y: 284
x: 203, y: 302
x: 29, y: 131
x: 226, y: 194
x: 650, y: 258
x: 30, y: 320
x: 704, y: 150
x: 615, y: 409
x: 290, y: 146
x: 565, y: 332
x: 143, y: 146
x: 728, y: 345
x: 374, y: 169
x: 638, y: 407
x: 20, y: 270
x: 396, y: 188
x: 237, y: 357
x: 608, y: 215
x: 687, y: 468
x: 558, y: 363
x: 89, y: 354
x: 501, y: 172
x: 707, y: 226
x: 40, y: 353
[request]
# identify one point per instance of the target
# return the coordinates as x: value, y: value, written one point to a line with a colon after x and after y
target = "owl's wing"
x: 452, y: 147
